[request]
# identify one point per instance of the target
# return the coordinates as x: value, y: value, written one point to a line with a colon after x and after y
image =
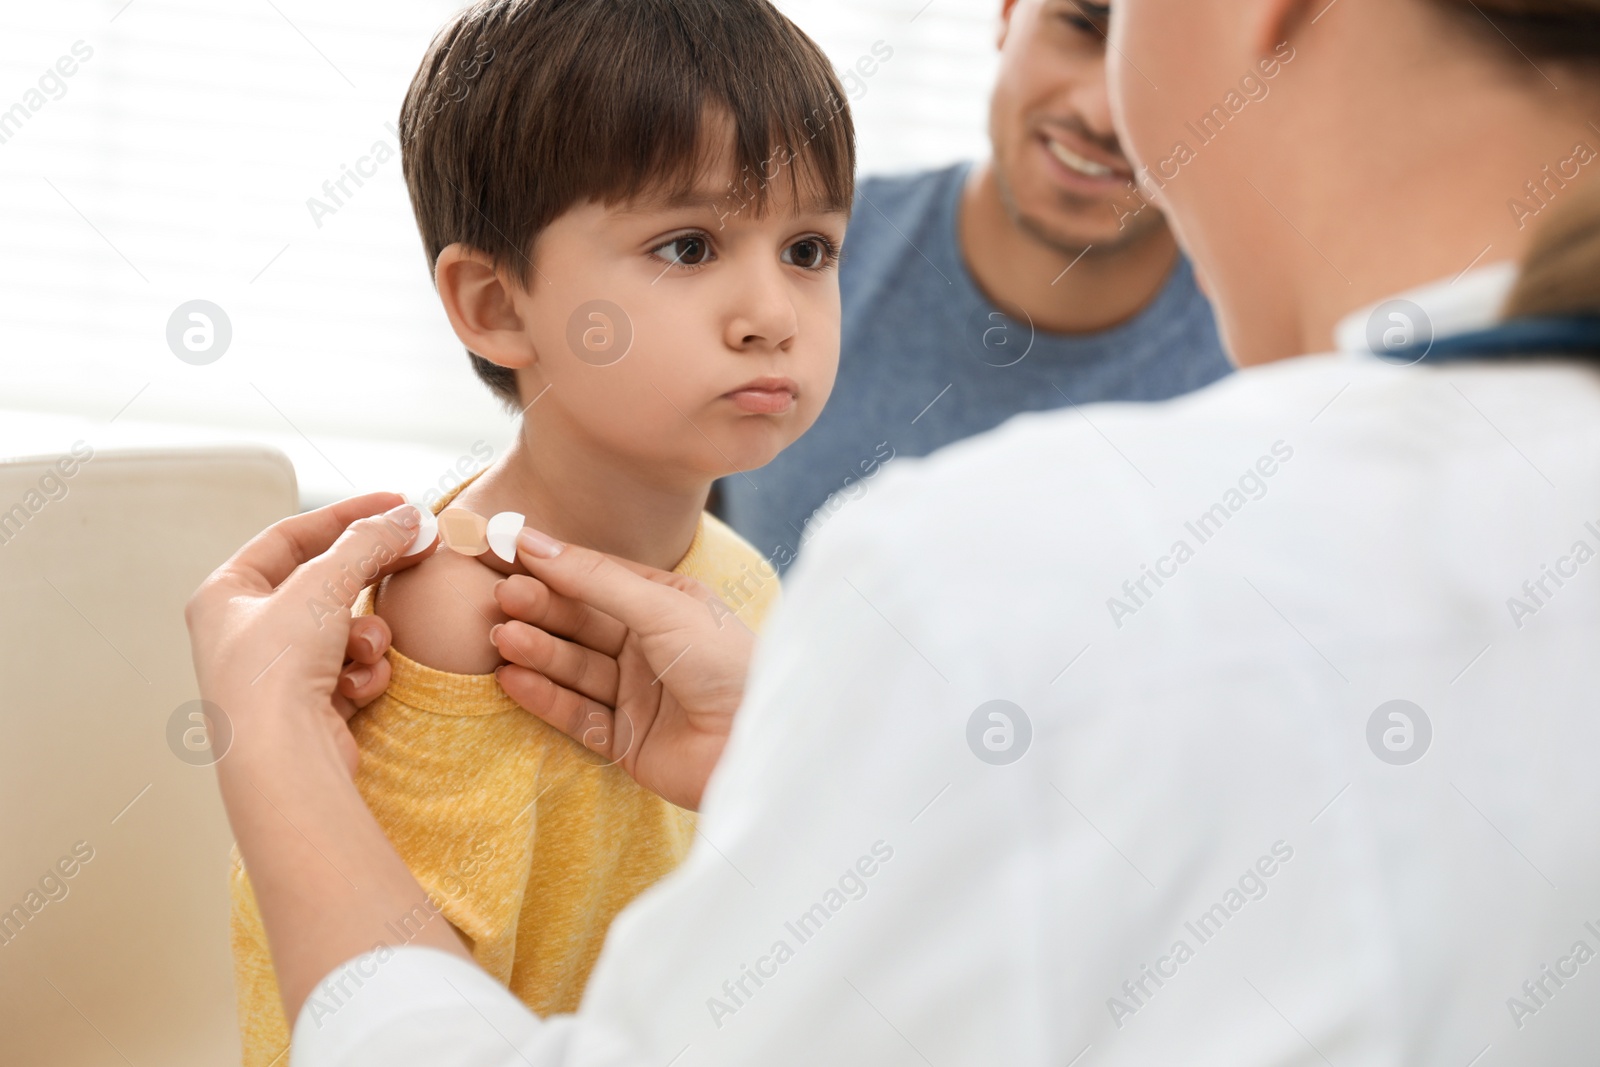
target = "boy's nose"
x: 764, y: 315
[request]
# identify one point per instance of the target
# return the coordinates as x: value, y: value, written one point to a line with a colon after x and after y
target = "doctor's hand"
x: 648, y: 671
x: 271, y: 628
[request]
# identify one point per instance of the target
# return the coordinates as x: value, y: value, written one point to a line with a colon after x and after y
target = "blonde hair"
x: 1561, y: 271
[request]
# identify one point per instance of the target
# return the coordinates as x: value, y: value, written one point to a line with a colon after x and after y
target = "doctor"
x: 1254, y: 728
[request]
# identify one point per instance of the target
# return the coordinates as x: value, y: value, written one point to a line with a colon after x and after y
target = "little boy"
x: 633, y: 210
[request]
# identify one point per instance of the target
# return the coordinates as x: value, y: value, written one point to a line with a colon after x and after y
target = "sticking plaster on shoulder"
x: 469, y: 533
x: 463, y: 531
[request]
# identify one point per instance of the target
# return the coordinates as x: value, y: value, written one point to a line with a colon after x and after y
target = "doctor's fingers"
x: 532, y: 601
x: 565, y: 663
x: 361, y: 684
x: 584, y: 720
x: 369, y: 640
x: 366, y: 669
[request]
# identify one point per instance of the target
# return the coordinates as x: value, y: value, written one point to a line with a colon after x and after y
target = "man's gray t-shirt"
x: 926, y: 360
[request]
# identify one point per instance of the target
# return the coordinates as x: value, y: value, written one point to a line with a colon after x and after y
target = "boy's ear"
x: 480, y: 301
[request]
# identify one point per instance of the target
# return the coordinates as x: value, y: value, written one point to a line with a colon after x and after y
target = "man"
x: 1037, y: 279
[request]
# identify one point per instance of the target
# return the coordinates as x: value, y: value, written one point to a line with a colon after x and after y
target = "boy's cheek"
x: 641, y: 411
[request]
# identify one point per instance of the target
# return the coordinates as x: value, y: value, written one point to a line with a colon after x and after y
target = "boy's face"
x: 692, y: 339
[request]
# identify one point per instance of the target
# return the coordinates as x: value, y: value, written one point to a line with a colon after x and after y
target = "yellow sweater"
x: 526, y: 841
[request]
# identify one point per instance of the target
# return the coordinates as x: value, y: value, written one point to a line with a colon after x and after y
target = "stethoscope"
x: 1523, y: 338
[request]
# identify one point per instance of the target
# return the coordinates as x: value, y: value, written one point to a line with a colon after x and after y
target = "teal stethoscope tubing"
x: 1526, y: 338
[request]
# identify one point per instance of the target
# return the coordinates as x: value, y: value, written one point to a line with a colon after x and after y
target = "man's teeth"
x: 1087, y: 167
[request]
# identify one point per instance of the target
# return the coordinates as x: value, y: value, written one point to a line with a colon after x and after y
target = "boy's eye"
x: 812, y: 253
x: 689, y: 251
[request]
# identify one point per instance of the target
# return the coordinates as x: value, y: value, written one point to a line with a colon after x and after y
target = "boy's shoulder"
x: 440, y: 613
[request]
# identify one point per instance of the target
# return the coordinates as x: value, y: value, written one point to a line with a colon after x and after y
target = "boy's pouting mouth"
x: 769, y: 395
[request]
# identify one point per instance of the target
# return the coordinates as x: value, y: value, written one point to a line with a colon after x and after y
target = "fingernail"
x: 493, y: 630
x: 407, y: 516
x: 359, y: 676
x: 538, y: 545
x: 371, y: 641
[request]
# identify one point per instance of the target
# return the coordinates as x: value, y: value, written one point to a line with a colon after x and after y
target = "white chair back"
x: 113, y: 843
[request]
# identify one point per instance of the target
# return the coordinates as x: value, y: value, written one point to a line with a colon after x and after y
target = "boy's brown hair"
x: 523, y: 109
